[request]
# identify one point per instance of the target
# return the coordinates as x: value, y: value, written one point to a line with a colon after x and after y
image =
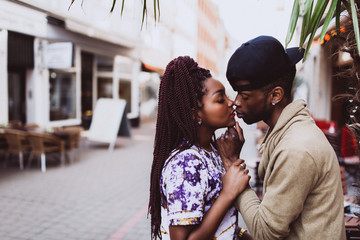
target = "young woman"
x: 190, y: 196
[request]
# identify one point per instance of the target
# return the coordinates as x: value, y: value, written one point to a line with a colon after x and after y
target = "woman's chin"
x: 232, y: 123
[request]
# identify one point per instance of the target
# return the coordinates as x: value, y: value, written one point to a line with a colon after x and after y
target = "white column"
x: 4, y: 111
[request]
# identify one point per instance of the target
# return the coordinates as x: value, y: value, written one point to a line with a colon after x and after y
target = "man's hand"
x: 230, y: 144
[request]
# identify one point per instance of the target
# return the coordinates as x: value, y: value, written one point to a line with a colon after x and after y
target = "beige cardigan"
x: 302, y: 192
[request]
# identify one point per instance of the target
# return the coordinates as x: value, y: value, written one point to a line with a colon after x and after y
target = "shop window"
x: 105, y: 87
x: 104, y: 64
x: 62, y: 95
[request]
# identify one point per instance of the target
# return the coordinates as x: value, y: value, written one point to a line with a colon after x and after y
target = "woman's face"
x: 217, y: 109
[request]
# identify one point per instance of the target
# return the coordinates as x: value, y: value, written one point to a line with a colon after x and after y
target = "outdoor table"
x: 351, y: 227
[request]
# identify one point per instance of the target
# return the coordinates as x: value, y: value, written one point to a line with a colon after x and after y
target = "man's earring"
x: 273, y: 103
x: 199, y: 122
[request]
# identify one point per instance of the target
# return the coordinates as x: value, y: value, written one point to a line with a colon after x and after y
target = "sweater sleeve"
x: 291, y: 179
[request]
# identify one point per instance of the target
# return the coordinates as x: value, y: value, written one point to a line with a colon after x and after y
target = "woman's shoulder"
x: 188, y: 155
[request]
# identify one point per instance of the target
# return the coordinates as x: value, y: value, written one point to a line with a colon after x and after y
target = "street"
x: 101, y: 195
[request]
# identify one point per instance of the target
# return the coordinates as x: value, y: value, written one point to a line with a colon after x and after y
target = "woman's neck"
x: 205, y: 138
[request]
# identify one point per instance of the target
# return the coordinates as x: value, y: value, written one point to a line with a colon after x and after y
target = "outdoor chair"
x: 14, y: 124
x: 31, y: 126
x: 16, y: 141
x: 3, y: 143
x: 72, y: 136
x: 43, y: 143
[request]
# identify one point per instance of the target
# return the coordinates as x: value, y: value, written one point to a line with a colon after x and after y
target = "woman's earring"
x: 273, y: 103
x: 199, y: 122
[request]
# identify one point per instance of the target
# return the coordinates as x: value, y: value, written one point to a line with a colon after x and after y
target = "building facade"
x: 57, y: 61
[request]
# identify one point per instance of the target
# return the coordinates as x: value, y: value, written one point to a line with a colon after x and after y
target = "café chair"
x: 14, y: 124
x: 3, y: 143
x: 17, y: 145
x: 72, y: 137
x: 31, y: 126
x: 43, y: 143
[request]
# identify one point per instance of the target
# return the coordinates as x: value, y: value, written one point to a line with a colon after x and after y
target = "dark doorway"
x: 20, y: 58
x: 87, y: 60
x: 16, y: 93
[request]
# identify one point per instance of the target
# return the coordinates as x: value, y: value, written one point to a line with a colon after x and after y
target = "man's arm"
x: 291, y: 179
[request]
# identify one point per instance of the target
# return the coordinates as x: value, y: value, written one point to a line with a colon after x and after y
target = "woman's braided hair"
x: 181, y: 91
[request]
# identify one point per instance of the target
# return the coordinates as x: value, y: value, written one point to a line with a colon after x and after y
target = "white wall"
x: 317, y: 74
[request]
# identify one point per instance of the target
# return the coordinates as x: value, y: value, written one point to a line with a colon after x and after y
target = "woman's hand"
x: 230, y: 144
x: 236, y: 179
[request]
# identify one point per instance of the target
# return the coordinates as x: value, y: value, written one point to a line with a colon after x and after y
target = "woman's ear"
x: 277, y: 94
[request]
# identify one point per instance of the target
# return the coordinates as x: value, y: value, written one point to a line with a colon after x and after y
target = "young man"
x: 302, y: 192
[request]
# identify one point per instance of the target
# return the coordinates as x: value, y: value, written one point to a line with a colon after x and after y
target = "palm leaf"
x: 308, y: 6
x: 312, y: 22
x: 328, y: 18
x: 158, y: 6
x: 144, y: 13
x: 305, y: 24
x: 122, y: 7
x: 355, y: 24
x: 72, y: 2
x: 293, y: 21
x: 155, y: 10
x: 337, y: 16
x: 315, y: 21
x: 113, y: 6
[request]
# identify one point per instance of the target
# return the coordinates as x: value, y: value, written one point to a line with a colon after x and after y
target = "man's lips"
x: 239, y: 114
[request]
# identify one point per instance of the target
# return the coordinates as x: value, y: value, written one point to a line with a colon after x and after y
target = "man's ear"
x: 277, y: 94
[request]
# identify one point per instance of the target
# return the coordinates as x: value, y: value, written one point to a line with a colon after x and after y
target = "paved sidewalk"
x: 102, y: 195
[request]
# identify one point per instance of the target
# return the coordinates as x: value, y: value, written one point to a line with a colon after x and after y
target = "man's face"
x: 252, y: 105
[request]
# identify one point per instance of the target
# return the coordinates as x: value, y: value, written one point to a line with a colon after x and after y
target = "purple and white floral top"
x: 190, y: 183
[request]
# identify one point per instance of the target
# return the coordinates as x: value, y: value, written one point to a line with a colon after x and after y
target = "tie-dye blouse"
x: 190, y: 183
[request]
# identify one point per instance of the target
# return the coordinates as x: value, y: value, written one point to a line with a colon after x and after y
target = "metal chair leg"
x: 43, y: 162
x: 31, y: 156
x: 6, y: 159
x: 21, y: 161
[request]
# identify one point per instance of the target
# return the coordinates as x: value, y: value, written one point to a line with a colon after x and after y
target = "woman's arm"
x: 234, y: 182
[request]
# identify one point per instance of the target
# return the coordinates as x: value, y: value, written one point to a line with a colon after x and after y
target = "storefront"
x: 52, y: 73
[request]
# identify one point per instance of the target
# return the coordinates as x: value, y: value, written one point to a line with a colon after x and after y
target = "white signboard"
x: 106, y: 120
x: 59, y: 55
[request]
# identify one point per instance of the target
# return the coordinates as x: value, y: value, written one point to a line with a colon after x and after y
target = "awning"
x: 149, y: 68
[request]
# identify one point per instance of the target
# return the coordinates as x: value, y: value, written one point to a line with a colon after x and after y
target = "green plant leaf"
x: 155, y: 10
x: 337, y: 16
x: 308, y: 6
x: 355, y: 24
x: 305, y: 26
x: 72, y: 2
x: 293, y: 20
x: 144, y: 14
x: 158, y: 6
x: 122, y: 7
x: 317, y: 14
x: 113, y: 6
x: 328, y: 18
x: 315, y: 22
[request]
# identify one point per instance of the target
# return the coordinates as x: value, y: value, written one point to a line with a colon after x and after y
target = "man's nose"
x: 237, y: 101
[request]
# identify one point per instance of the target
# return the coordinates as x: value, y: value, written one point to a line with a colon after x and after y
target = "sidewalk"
x: 102, y: 195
